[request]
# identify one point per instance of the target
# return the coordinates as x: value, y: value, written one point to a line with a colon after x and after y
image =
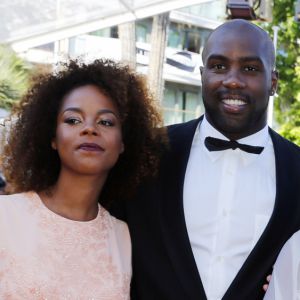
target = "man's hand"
x: 265, y: 286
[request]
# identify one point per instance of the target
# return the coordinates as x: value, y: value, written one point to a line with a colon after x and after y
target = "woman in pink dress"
x: 285, y: 280
x: 83, y: 136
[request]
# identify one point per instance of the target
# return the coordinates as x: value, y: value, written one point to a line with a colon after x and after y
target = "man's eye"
x: 250, y: 68
x: 219, y: 67
x: 106, y: 122
x: 72, y: 121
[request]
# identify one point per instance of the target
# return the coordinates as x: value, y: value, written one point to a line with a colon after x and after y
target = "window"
x: 143, y: 30
x: 175, y: 36
x: 192, y: 40
x: 181, y: 103
x: 214, y: 10
x: 187, y: 37
x: 106, y: 32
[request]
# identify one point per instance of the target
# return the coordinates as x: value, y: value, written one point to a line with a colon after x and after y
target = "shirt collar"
x: 260, y: 138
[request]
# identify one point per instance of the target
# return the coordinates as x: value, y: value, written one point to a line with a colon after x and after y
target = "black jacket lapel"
x: 172, y: 214
x: 285, y: 220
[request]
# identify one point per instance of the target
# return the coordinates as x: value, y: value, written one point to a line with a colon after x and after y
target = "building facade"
x: 188, y: 31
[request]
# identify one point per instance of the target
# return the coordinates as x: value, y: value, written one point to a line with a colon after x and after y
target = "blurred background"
x: 161, y: 39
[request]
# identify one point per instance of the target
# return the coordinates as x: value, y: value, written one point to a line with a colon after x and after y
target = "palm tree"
x: 14, y: 73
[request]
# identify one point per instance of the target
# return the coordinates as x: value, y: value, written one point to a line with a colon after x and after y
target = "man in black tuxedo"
x: 227, y: 196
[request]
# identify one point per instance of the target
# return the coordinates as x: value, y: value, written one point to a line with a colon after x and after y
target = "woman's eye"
x: 72, y: 121
x: 106, y: 122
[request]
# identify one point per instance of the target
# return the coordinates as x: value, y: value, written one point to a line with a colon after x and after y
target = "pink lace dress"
x: 46, y: 256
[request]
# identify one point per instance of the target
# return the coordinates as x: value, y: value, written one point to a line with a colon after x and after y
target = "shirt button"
x: 224, y: 213
x: 220, y: 258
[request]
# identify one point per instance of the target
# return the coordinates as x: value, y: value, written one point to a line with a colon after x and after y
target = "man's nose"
x: 233, y: 80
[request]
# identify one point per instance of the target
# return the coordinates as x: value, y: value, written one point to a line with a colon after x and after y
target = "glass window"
x: 169, y: 106
x: 141, y: 33
x: 192, y: 40
x: 143, y: 30
x: 187, y: 37
x: 193, y: 105
x: 215, y: 10
x: 174, y: 39
x: 106, y: 32
x: 175, y: 36
x: 181, y: 103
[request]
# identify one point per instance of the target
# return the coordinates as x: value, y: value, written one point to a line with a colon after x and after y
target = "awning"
x: 28, y: 23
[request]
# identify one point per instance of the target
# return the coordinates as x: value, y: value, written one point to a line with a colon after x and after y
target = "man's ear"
x: 201, y: 70
x: 274, y: 79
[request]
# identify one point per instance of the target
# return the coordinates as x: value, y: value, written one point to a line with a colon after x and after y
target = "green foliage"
x: 287, y: 103
x: 13, y: 77
x: 291, y: 128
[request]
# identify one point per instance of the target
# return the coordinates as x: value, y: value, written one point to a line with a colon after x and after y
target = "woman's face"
x: 88, y: 134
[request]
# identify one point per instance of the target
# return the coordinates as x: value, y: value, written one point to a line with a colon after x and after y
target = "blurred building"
x: 188, y: 30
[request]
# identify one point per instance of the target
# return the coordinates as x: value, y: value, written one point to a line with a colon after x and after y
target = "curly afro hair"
x: 29, y: 161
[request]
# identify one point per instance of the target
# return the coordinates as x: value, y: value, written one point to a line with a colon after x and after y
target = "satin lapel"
x: 283, y: 222
x: 172, y: 216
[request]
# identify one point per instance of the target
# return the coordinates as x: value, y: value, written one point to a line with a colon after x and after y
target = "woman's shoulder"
x: 118, y: 226
x: 114, y: 222
x: 119, y: 237
x: 15, y: 216
x: 14, y: 204
x: 14, y: 200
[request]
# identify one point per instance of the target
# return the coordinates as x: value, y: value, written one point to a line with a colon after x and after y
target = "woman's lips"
x: 90, y: 147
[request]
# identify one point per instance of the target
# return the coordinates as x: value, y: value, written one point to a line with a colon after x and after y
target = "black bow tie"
x: 213, y: 144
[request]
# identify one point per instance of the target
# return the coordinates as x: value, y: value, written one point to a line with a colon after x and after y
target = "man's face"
x: 237, y: 80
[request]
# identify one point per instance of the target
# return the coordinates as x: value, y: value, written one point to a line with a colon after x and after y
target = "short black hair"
x: 237, y: 24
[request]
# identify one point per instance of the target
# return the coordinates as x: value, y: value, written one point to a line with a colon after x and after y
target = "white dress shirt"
x: 228, y: 200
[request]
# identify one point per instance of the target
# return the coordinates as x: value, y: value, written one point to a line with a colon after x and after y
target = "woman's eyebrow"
x: 99, y: 112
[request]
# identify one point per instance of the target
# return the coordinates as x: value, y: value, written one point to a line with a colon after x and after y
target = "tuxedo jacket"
x: 163, y: 263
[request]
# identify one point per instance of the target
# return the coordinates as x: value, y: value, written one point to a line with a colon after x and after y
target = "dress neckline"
x: 58, y: 217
